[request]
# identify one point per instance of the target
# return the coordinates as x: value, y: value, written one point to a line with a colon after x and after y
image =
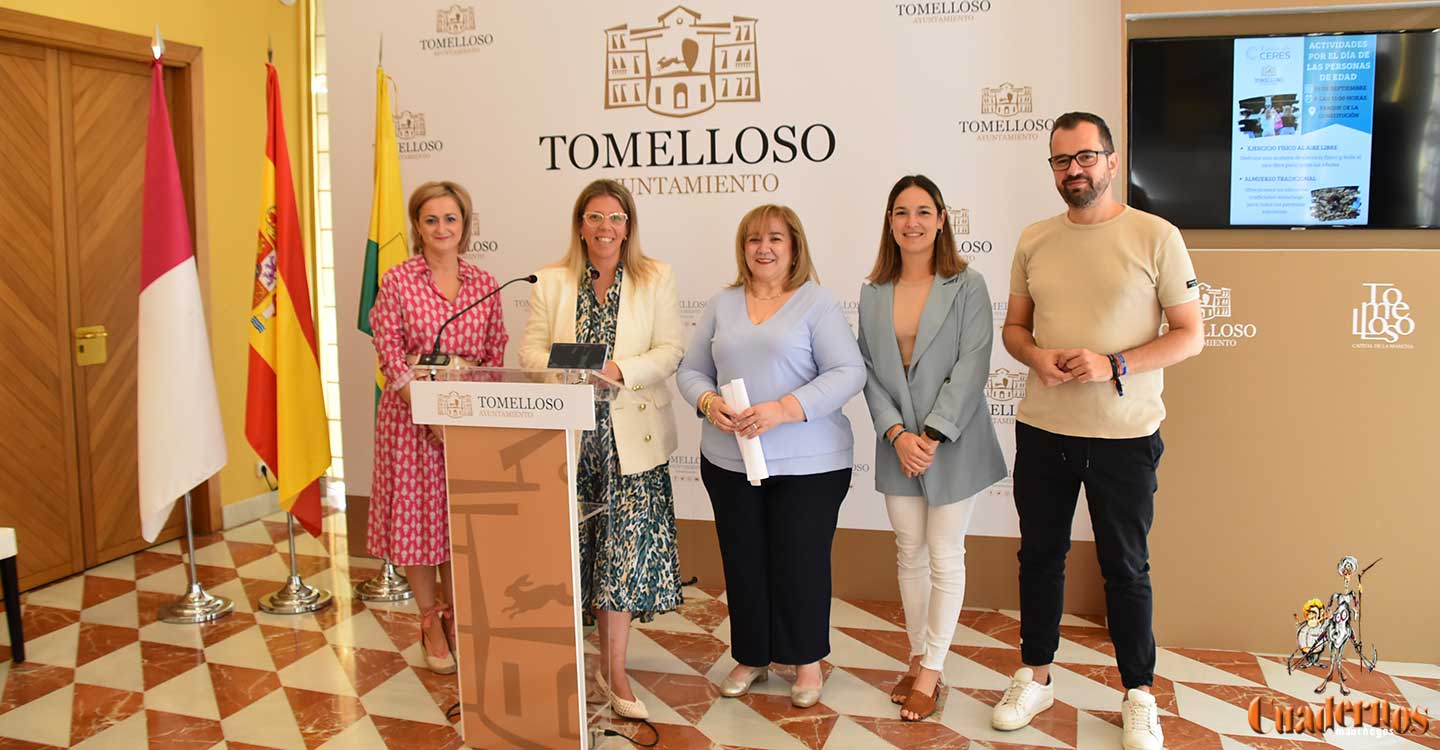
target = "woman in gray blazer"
x: 925, y: 334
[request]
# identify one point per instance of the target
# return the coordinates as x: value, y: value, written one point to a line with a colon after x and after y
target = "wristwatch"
x: 935, y: 434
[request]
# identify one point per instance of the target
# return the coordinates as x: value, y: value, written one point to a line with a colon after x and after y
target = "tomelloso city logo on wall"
x: 1383, y: 319
x: 456, y: 32
x: 944, y: 11
x: 683, y: 66
x: 479, y: 247
x: 1215, y: 310
x: 410, y: 132
x: 1005, y: 388
x: 1005, y: 104
x: 968, y: 247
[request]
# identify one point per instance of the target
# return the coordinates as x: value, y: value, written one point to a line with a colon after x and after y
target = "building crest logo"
x: 1006, y: 100
x: 455, y: 405
x: 409, y: 125
x: 1005, y: 385
x: 1214, y: 301
x: 455, y: 20
x: 683, y: 66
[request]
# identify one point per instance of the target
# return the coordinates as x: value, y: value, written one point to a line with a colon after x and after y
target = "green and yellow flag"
x: 385, y: 246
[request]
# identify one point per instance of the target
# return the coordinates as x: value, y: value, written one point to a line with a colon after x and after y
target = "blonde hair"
x: 945, y: 260
x: 428, y: 192
x: 637, y: 265
x: 802, y: 269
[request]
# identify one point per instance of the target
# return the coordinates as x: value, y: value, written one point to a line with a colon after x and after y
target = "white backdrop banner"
x: 704, y: 111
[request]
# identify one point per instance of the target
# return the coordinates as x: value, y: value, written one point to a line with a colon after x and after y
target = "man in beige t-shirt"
x: 1086, y: 295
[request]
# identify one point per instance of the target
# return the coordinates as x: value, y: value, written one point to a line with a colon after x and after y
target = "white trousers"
x: 930, y: 559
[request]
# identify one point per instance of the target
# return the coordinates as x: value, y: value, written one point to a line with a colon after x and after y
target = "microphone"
x: 594, y: 274
x: 435, y: 358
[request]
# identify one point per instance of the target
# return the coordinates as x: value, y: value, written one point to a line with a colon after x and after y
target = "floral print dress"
x: 628, y: 558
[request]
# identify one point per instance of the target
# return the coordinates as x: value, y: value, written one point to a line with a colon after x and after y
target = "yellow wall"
x: 233, y: 38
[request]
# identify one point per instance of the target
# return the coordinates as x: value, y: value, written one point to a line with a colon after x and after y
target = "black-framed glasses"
x: 1086, y: 158
x: 593, y: 218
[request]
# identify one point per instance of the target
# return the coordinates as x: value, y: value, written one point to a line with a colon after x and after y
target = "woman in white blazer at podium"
x: 606, y: 291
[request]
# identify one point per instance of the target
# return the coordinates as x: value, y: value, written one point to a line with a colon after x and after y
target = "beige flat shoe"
x: 625, y: 709
x: 732, y: 688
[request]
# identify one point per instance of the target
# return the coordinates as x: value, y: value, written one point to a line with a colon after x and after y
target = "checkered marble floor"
x: 103, y: 673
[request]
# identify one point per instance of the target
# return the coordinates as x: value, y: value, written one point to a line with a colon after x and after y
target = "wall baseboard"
x: 250, y: 509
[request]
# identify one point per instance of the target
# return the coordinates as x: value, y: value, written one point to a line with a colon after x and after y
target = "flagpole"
x: 296, y: 597
x: 197, y: 605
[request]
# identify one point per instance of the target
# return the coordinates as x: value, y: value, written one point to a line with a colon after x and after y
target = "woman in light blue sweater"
x: 787, y: 338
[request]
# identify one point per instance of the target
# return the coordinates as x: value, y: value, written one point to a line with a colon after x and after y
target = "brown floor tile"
x: 176, y: 732
x: 148, y: 604
x: 244, y: 553
x: 99, y: 589
x: 892, y: 643
x: 238, y: 687
x: 368, y: 668
x: 1006, y: 661
x: 289, y: 645
x: 913, y: 735
x: 277, y: 530
x: 444, y: 689
x: 216, y: 631
x: 1002, y: 628
x: 99, y: 640
x: 707, y: 613
x: 95, y: 709
x: 1238, y: 663
x: 341, y: 608
x: 29, y: 681
x: 402, y: 627
x: 148, y: 563
x: 699, y: 650
x: 811, y: 726
x: 1091, y: 638
x: 38, y: 620
x: 9, y: 743
x: 689, y: 695
x: 891, y: 612
x: 162, y: 661
x: 413, y: 735
x: 322, y: 715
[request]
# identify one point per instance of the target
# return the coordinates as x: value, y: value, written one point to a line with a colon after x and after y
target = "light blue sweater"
x: 807, y: 349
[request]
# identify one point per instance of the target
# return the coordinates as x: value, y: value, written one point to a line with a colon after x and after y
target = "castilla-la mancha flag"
x: 181, y: 440
x: 284, y: 401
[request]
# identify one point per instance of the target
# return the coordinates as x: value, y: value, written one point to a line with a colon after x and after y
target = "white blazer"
x: 647, y: 350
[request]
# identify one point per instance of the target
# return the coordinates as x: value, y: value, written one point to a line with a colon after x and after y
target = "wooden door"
x: 104, y: 107
x: 39, y: 493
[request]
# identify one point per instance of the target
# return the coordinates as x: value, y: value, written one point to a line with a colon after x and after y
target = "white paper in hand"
x: 750, y: 450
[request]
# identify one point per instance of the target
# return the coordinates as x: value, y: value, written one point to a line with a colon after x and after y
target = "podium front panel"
x: 512, y: 531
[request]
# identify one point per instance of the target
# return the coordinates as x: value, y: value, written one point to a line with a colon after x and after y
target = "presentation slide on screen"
x: 1300, y: 152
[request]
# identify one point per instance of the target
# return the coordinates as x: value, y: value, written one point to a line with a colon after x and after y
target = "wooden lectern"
x: 511, y: 438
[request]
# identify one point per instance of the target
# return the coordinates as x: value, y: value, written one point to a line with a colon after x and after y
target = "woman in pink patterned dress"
x: 409, y: 522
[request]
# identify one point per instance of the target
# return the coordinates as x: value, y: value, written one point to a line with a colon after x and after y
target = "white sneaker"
x: 1023, y: 700
x: 1141, y: 720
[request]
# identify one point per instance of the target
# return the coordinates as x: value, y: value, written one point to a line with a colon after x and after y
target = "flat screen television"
x: 1306, y: 130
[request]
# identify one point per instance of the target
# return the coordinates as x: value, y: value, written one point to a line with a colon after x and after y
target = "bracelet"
x: 1115, y: 374
x: 1124, y: 368
x: 898, y: 433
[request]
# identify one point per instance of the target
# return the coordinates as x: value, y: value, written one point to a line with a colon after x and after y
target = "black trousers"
x: 775, y: 544
x: 1119, y: 480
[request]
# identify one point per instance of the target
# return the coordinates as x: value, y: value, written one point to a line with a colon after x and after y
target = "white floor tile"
x: 66, y: 594
x: 846, y: 615
x: 1083, y: 692
x: 847, y: 735
x: 45, y: 720
x: 217, y: 554
x: 174, y: 580
x: 731, y: 722
x: 962, y: 672
x: 268, y: 722
x: 361, y: 735
x: 1216, y: 714
x: 243, y: 649
x: 1420, y: 696
x: 971, y: 637
x: 188, y: 694
x: 124, y: 569
x: 971, y: 718
x: 268, y: 568
x: 120, y: 669
x: 1173, y: 666
x: 674, y: 622
x: 360, y: 630
x: 122, y: 611
x: 647, y: 655
x: 848, y: 652
x: 173, y: 634
x: 253, y: 533
x: 1092, y: 733
x: 849, y: 695
x: 403, y: 697
x: 57, y: 648
x: 319, y: 671
x: 1074, y: 653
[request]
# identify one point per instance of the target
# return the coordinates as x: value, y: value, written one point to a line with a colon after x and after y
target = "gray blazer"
x: 944, y: 389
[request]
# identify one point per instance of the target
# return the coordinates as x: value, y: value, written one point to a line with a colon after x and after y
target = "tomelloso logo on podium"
x: 1215, y: 304
x: 683, y: 66
x: 1383, y: 319
x: 455, y: 405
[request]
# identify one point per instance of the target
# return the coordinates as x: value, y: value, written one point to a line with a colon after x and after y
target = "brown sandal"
x: 920, y: 704
x: 902, y: 689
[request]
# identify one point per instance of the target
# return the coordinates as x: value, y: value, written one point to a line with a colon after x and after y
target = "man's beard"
x: 1078, y: 195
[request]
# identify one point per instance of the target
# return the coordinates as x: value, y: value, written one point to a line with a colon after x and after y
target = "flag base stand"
x: 296, y: 597
x: 196, y: 605
x: 387, y: 586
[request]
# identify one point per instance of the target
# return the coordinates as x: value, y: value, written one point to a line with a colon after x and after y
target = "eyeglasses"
x: 593, y: 218
x: 1086, y: 158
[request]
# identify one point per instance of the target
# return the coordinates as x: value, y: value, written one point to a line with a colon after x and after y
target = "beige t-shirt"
x: 1100, y: 287
x: 909, y: 304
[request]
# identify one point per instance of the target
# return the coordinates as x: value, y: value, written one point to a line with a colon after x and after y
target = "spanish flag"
x: 386, y: 246
x: 284, y: 403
